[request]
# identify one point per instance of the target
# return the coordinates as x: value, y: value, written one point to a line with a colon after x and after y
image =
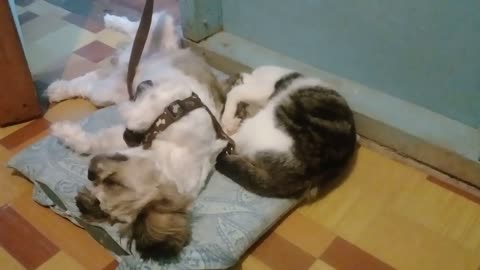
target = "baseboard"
x: 411, y: 130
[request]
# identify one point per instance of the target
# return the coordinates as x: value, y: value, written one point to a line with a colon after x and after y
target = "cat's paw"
x: 57, y: 91
x: 71, y: 135
x: 231, y: 126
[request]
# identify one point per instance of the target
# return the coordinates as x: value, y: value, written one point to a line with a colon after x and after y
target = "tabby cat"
x: 297, y: 133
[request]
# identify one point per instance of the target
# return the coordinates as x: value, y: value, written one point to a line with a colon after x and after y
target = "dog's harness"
x: 175, y: 110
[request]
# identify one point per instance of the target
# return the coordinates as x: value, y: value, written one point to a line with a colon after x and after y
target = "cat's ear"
x: 231, y: 82
x: 245, y: 78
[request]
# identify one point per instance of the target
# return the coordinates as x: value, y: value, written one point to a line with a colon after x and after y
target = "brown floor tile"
x: 89, y: 24
x: 278, y: 253
x: 71, y: 239
x: 111, y: 266
x: 4, y: 131
x: 26, y: 16
x: 342, y: 255
x: 16, y: 233
x: 20, y: 136
x: 96, y: 51
x: 77, y: 66
x: 311, y: 237
x: 29, y: 142
x: 454, y: 189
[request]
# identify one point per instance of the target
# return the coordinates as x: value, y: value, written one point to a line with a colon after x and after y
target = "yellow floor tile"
x: 408, y: 245
x: 4, y: 156
x: 72, y: 110
x: 320, y: 265
x: 112, y: 38
x: 441, y: 211
x: 373, y: 183
x: 252, y: 263
x: 11, y: 186
x: 311, y: 237
x: 46, y: 9
x: 71, y: 239
x: 8, y: 262
x: 5, y: 131
x: 61, y: 261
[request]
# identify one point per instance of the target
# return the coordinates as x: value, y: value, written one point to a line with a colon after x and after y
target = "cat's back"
x: 319, y: 121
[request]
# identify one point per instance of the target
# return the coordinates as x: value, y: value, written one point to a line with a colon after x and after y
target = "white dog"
x: 149, y: 190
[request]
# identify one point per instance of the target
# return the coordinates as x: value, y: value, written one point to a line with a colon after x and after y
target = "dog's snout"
x: 132, y: 138
x: 91, y: 175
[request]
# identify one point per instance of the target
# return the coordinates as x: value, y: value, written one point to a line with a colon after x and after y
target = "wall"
x: 423, y: 51
x: 11, y: 3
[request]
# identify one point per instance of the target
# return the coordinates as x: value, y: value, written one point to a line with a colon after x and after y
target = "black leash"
x: 139, y: 45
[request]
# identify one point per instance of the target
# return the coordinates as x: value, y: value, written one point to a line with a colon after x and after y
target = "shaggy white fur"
x: 185, y: 152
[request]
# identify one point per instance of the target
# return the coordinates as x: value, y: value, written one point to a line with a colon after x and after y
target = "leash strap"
x: 138, y: 45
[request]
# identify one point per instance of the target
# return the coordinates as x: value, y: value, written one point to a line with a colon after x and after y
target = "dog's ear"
x: 101, y: 166
x: 162, y: 229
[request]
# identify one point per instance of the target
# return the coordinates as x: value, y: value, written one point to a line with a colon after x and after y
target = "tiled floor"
x: 386, y: 215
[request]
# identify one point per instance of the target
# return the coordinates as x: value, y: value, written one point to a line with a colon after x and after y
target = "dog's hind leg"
x: 121, y: 24
x: 75, y: 137
x: 61, y: 90
x: 100, y: 90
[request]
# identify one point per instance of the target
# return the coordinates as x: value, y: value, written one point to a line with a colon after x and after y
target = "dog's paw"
x: 57, y: 91
x: 231, y: 126
x: 71, y: 135
x: 110, y: 21
x: 117, y: 23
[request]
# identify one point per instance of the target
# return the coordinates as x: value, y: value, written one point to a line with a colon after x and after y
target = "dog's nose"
x: 132, y: 138
x: 91, y: 175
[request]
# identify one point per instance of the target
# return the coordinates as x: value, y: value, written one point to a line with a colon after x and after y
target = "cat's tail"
x: 163, y: 32
x: 279, y: 176
x: 267, y: 176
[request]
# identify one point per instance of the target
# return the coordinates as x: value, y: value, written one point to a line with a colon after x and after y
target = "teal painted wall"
x: 423, y: 51
x: 17, y: 23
